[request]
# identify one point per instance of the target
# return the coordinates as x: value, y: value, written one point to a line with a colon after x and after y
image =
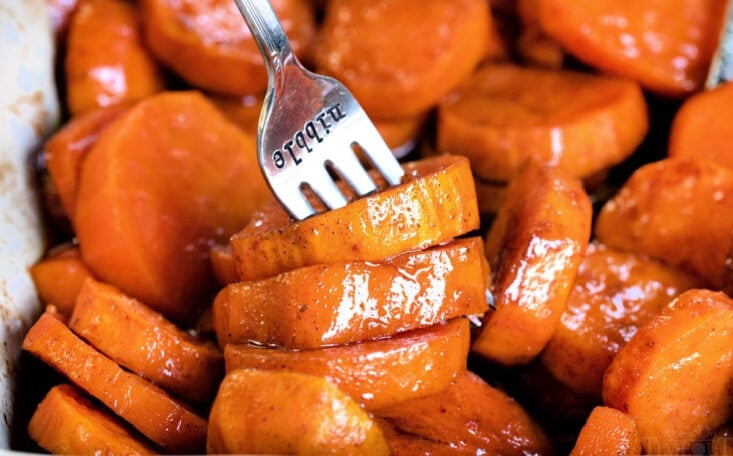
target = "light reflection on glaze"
x: 419, y: 289
x: 535, y: 277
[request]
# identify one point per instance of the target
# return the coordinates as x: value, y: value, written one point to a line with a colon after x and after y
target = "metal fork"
x: 310, y: 124
x: 721, y: 67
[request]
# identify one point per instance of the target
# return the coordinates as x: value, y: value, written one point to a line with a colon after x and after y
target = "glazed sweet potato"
x: 208, y: 44
x: 166, y: 180
x: 535, y: 246
x: 400, y: 57
x: 376, y: 373
x: 608, y: 431
x: 701, y: 127
x: 505, y: 114
x: 149, y: 409
x: 281, y: 412
x: 674, y: 375
x: 342, y: 303
x: 67, y: 422
x: 222, y: 261
x: 144, y: 342
x: 677, y: 210
x: 65, y: 151
x: 59, y: 277
x: 468, y: 417
x: 613, y: 295
x: 106, y: 61
x: 617, y: 37
x: 435, y: 203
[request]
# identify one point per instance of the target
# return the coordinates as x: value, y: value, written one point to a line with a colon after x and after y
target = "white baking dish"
x: 28, y: 112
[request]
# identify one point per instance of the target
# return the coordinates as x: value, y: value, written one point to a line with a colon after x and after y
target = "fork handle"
x: 268, y: 33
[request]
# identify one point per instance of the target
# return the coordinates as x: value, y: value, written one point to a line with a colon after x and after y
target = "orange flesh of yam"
x: 674, y: 374
x: 505, y: 114
x: 207, y: 43
x: 59, y: 277
x: 535, y: 247
x: 149, y: 409
x: 435, y: 203
x: 399, y: 58
x: 67, y: 422
x: 106, y: 61
x: 144, y: 342
x: 666, y: 45
x: 354, y: 301
x: 164, y: 182
x: 701, y: 127
x: 608, y: 431
x: 65, y: 151
x: 376, y: 373
x: 676, y: 210
x: 281, y: 412
x: 469, y: 416
x: 613, y: 295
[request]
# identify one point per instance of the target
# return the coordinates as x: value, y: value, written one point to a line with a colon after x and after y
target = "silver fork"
x: 721, y: 66
x: 310, y: 124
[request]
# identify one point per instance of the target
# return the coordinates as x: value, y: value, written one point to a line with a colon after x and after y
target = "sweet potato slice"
x: 701, y: 127
x: 677, y: 210
x: 281, y: 412
x: 166, y: 180
x: 469, y: 416
x: 59, y: 276
x: 106, y: 61
x: 613, y: 295
x: 149, y: 409
x: 222, y: 260
x: 674, y: 375
x: 341, y: 303
x: 143, y: 341
x: 505, y: 114
x: 66, y: 149
x: 376, y: 373
x: 435, y: 203
x: 400, y: 57
x: 608, y: 431
x: 664, y: 44
x: 67, y: 422
x: 535, y: 247
x: 208, y: 44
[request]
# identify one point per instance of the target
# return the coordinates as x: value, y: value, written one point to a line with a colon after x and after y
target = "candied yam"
x: 353, y: 301
x: 59, y: 277
x: 674, y: 374
x: 608, y: 431
x: 400, y: 57
x: 168, y: 179
x: 144, y: 342
x: 469, y: 416
x: 106, y: 62
x: 613, y: 295
x: 435, y: 203
x: 208, y: 44
x: 666, y: 45
x: 376, y: 373
x: 504, y: 115
x: 67, y: 422
x: 149, y: 409
x: 676, y: 210
x: 535, y: 247
x: 222, y: 261
x: 701, y: 127
x: 65, y: 151
x: 281, y: 412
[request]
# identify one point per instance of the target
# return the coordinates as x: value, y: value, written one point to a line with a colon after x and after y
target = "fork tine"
x: 379, y: 153
x: 350, y: 169
x: 326, y: 189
